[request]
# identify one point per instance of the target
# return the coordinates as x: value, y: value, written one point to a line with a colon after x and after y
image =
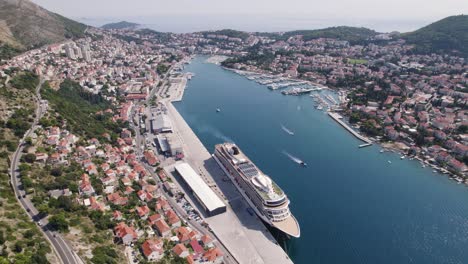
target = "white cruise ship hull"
x: 251, y: 204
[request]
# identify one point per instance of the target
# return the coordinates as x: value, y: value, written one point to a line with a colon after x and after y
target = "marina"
x: 297, y: 91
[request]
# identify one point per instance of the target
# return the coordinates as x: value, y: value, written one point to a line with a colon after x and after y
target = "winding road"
x: 60, y: 246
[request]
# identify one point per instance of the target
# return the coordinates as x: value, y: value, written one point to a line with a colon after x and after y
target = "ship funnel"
x: 235, y: 150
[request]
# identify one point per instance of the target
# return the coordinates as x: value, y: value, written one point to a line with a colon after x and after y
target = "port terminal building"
x: 169, y: 144
x: 212, y: 204
x: 161, y: 124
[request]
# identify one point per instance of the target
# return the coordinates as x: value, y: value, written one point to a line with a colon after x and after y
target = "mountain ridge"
x: 120, y: 25
x: 351, y: 34
x: 448, y: 35
x: 25, y: 25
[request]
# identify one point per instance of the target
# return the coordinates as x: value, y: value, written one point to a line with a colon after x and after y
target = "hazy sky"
x: 261, y: 14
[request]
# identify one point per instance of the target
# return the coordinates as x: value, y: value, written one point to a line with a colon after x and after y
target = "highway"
x: 59, y: 245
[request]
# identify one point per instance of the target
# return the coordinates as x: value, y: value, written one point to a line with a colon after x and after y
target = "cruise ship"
x: 265, y: 197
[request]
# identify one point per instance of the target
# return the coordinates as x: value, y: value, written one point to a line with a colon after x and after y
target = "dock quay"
x: 297, y: 91
x: 337, y: 117
x: 245, y: 236
x: 177, y: 88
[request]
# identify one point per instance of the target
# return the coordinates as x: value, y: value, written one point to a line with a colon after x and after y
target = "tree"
x: 66, y: 203
x: 104, y: 255
x: 29, y: 158
x: 22, y: 259
x: 18, y: 248
x: 24, y: 167
x: 28, y: 141
x: 56, y: 172
x: 43, y: 209
x: 39, y: 258
x: 59, y: 223
x: 4, y: 261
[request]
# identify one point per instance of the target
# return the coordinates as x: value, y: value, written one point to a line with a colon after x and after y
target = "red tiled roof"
x: 151, y: 245
x: 179, y: 249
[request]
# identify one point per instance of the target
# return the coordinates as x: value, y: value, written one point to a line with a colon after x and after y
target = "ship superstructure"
x: 265, y: 197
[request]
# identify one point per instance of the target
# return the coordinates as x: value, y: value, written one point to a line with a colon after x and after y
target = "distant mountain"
x: 449, y: 35
x: 120, y: 25
x: 351, y: 34
x: 25, y: 25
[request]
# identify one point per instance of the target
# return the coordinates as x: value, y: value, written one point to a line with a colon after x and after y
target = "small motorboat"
x: 389, y: 162
x: 218, y: 110
x: 303, y: 164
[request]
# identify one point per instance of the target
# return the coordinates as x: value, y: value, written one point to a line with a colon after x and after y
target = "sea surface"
x: 352, y: 204
x: 186, y: 23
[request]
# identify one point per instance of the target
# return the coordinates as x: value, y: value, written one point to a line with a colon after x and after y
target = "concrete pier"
x: 177, y: 88
x: 337, y: 117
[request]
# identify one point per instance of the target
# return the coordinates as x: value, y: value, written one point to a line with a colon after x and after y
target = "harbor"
x: 274, y: 82
x: 244, y: 235
x: 342, y: 205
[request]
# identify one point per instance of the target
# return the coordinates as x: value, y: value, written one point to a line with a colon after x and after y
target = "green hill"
x: 351, y: 34
x: 449, y: 35
x: 228, y: 32
x: 25, y: 25
x: 120, y: 25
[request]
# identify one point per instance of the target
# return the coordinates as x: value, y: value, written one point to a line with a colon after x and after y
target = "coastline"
x: 325, y: 177
x: 397, y: 147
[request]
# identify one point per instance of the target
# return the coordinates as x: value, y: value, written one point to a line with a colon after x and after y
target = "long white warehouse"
x: 209, y: 200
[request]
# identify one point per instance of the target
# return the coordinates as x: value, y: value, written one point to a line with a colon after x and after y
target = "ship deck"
x: 290, y: 226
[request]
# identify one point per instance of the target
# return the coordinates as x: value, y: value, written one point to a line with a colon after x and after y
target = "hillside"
x: 78, y: 107
x: 25, y: 25
x: 228, y: 32
x: 120, y: 25
x: 449, y: 35
x: 351, y: 34
x: 16, y: 115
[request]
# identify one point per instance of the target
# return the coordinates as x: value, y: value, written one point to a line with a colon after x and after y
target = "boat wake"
x: 216, y: 133
x: 287, y: 130
x: 295, y: 159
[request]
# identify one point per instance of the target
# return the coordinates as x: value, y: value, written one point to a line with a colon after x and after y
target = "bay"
x: 352, y: 205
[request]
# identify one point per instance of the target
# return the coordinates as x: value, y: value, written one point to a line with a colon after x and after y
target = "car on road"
x: 28, y: 210
x: 39, y: 223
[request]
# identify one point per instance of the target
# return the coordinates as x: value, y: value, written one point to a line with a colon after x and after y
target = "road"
x: 60, y: 246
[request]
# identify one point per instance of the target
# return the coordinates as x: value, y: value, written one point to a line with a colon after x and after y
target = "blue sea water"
x: 353, y: 206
